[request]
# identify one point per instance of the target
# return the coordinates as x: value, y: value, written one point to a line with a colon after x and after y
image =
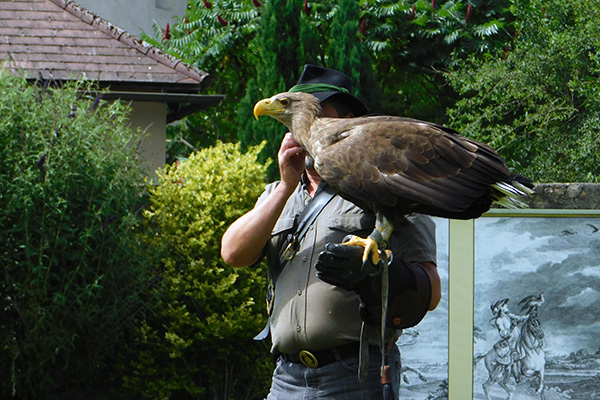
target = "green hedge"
x: 196, y: 338
x: 70, y: 281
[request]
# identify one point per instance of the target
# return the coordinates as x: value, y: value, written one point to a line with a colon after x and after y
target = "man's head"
x: 332, y: 88
x: 498, y: 306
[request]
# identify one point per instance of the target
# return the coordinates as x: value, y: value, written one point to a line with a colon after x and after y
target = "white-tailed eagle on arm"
x: 394, y: 166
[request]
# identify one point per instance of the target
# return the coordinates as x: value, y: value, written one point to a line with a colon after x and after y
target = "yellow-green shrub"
x: 196, y: 339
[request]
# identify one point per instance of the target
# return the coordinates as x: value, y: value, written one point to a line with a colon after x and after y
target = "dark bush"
x: 70, y: 187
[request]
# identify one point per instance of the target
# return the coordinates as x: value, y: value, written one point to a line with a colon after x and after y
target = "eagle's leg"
x: 378, y: 239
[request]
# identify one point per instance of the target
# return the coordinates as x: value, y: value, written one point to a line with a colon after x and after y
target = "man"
x: 505, y: 321
x: 507, y: 325
x: 323, y: 292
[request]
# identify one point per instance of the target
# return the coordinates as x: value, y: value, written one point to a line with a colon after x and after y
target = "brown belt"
x: 315, y: 359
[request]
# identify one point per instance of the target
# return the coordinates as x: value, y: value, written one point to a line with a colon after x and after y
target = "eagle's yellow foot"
x: 370, y: 246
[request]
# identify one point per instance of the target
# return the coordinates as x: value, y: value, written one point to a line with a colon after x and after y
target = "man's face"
x: 328, y: 110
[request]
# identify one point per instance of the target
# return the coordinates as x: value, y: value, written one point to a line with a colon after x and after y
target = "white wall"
x: 136, y: 15
x: 151, y: 119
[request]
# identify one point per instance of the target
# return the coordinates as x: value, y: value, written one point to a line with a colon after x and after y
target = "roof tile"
x: 62, y: 40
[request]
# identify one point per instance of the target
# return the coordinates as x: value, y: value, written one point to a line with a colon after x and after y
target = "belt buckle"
x: 308, y: 359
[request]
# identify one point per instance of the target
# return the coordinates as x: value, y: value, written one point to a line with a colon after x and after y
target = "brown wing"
x: 397, y: 162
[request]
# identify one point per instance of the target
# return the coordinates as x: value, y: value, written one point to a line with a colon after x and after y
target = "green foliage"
x: 414, y: 42
x: 227, y: 51
x: 265, y: 45
x: 418, y: 48
x: 70, y: 186
x: 539, y: 104
x: 196, y: 339
x: 209, y: 31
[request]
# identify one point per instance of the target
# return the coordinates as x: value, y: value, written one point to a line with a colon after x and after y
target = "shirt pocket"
x: 359, y: 225
x: 283, y: 228
x: 283, y: 225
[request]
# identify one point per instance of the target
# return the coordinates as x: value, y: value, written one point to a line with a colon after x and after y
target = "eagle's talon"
x: 369, y: 245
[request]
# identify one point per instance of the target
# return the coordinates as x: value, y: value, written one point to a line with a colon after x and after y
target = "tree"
x: 277, y: 70
x: 218, y: 37
x: 350, y: 55
x: 411, y: 45
x: 539, y: 105
x: 414, y: 42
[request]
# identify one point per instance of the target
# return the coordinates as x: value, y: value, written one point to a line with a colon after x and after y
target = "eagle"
x: 394, y: 166
x: 532, y: 303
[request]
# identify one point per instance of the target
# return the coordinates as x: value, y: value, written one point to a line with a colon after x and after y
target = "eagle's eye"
x: 284, y: 102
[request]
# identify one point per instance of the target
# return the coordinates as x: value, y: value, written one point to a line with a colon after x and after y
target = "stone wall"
x: 583, y: 196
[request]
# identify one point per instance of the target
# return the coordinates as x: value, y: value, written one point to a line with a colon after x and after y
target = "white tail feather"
x: 510, y: 193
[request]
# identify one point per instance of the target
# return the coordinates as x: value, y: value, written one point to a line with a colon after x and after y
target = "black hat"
x: 325, y: 83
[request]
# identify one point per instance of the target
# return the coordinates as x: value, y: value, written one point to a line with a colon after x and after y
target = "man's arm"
x: 436, y: 284
x: 244, y: 240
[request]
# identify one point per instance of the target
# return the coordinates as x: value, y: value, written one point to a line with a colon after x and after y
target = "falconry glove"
x: 409, y: 293
x: 342, y: 265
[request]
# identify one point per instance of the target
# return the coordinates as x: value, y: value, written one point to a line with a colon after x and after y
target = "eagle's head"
x: 295, y: 110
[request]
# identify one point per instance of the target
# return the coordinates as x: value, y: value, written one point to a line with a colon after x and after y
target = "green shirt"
x: 309, y: 314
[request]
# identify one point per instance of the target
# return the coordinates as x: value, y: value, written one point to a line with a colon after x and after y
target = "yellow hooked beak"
x: 277, y: 107
x: 263, y: 107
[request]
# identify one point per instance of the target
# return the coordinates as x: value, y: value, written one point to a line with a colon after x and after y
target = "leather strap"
x: 322, y: 197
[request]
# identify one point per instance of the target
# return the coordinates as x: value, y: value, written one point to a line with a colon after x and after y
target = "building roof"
x: 60, y: 40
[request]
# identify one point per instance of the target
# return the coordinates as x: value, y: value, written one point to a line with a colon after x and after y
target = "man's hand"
x: 342, y: 265
x: 291, y: 162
